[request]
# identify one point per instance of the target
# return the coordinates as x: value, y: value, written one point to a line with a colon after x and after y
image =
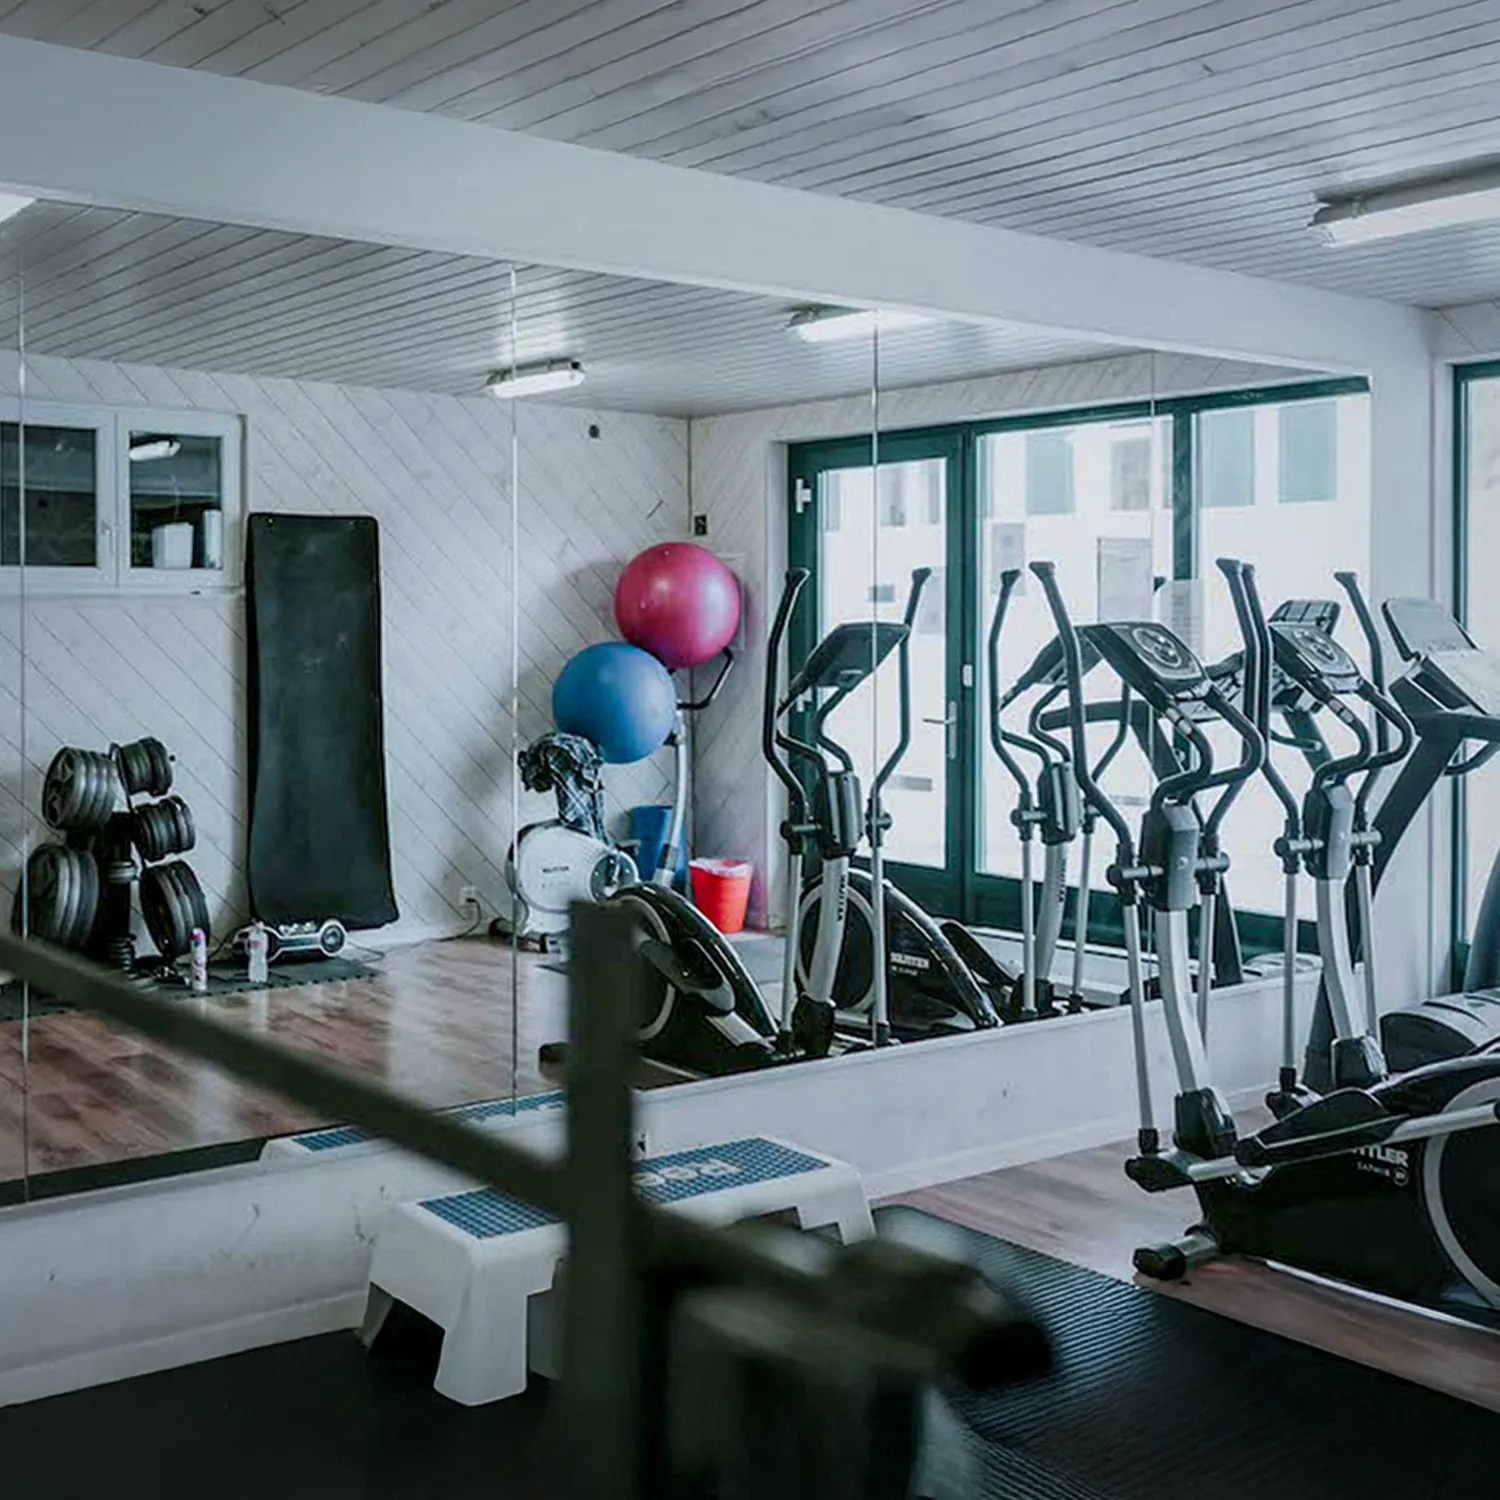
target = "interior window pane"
x: 1482, y: 789
x: 1296, y: 550
x: 1049, y: 474
x: 1130, y: 474
x: 1308, y: 456
x: 176, y: 501
x: 912, y: 500
x: 1226, y: 466
x: 1015, y: 531
x: 60, y: 478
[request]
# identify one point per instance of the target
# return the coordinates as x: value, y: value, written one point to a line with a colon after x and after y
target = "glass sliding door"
x: 843, y: 518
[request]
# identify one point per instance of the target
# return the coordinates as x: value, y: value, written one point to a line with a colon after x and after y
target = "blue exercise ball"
x: 618, y: 696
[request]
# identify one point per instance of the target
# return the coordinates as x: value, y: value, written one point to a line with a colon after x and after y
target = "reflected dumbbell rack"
x: 112, y: 806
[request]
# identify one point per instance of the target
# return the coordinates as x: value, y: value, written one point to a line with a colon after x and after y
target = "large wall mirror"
x: 328, y: 568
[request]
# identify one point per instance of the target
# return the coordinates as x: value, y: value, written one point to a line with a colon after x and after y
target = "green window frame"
x: 973, y: 896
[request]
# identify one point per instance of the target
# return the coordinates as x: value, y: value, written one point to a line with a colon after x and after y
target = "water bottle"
x: 200, y: 961
x: 257, y: 950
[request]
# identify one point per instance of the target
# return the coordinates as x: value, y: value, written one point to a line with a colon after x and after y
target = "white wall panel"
x: 434, y: 470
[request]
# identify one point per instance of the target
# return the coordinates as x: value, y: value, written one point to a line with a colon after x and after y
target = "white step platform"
x: 481, y: 1265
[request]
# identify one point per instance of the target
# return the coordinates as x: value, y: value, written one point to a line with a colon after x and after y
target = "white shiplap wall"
x: 739, y: 483
x: 435, y: 472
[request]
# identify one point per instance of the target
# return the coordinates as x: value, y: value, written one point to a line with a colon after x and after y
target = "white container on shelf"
x: 172, y: 545
x: 213, y: 539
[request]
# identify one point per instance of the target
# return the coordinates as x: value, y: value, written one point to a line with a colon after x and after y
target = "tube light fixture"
x: 534, y: 380
x: 144, y: 450
x: 1439, y: 203
x: 827, y: 325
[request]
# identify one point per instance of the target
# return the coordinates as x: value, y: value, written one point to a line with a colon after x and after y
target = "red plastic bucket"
x: 721, y: 891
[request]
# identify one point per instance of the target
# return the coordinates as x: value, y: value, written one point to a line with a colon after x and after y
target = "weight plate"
x: 161, y: 767
x: 79, y: 789
x: 187, y: 830
x: 172, y: 904
x: 87, y: 868
x: 51, y: 898
x: 161, y: 829
x: 145, y: 767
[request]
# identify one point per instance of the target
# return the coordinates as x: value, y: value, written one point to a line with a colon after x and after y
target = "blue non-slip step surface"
x: 334, y: 1136
x: 484, y: 1214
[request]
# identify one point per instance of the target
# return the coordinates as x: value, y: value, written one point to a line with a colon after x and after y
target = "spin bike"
x: 1394, y: 1187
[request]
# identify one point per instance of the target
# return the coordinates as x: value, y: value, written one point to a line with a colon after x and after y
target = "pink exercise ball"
x: 679, y: 602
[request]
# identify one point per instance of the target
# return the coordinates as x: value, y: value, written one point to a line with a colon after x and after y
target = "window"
x: 1134, y: 503
x: 59, y: 474
x: 1130, y: 473
x: 1226, y: 441
x: 1477, y: 805
x: 118, y: 500
x: 1307, y: 462
x: 1049, y: 474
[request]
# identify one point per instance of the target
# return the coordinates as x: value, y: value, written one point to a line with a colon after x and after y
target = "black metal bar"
x: 604, y: 1338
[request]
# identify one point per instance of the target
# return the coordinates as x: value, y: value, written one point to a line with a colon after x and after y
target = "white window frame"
x: 130, y: 579
x: 68, y: 580
x: 112, y: 428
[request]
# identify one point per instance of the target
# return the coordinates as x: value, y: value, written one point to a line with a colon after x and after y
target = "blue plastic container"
x: 647, y: 826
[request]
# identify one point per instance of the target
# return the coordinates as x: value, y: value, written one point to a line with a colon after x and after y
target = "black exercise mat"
x: 223, y: 979
x: 319, y: 836
x: 1152, y: 1399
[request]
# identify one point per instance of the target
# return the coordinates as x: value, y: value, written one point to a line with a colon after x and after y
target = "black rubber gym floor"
x: 1150, y: 1400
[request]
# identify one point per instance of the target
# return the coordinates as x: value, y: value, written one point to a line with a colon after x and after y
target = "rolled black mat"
x: 319, y: 836
x: 1152, y: 1399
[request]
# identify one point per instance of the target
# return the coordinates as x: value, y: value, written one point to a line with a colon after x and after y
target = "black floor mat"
x: 315, y: 1420
x: 1152, y: 1399
x: 223, y: 979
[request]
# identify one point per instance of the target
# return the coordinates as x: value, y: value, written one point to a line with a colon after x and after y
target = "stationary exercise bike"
x: 1394, y: 1188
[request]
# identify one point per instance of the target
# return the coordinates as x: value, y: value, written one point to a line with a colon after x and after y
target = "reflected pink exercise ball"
x: 679, y: 602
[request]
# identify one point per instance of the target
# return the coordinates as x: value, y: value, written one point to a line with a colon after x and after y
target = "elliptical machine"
x: 854, y: 937
x: 1394, y: 1188
x: 705, y: 1014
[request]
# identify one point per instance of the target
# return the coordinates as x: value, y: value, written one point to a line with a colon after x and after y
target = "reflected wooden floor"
x: 441, y: 1022
x: 1082, y: 1208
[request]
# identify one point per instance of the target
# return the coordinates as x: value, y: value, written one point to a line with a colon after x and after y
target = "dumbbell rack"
x: 78, y: 893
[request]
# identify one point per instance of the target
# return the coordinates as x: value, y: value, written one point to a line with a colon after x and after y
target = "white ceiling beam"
x: 136, y: 135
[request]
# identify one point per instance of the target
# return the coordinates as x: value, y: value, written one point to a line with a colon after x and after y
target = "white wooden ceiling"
x: 1196, y: 129
x: 97, y: 283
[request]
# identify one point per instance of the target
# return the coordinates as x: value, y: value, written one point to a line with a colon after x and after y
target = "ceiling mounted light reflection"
x: 826, y: 325
x: 1441, y: 203
x: 535, y: 380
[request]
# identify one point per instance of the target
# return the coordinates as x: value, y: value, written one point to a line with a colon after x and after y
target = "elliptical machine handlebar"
x: 770, y: 740
x: 919, y: 579
x: 1388, y: 714
x: 999, y: 740
x: 1072, y: 657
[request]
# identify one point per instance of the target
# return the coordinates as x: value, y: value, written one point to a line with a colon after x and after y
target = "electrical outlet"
x: 468, y: 895
x: 700, y: 524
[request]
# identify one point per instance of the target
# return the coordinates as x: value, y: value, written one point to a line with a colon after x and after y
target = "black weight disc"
x: 187, y: 832
x: 145, y: 767
x: 195, y: 901
x: 79, y: 789
x: 87, y: 868
x: 161, y: 911
x: 46, y: 904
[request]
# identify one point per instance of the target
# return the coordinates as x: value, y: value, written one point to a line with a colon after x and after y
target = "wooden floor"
x: 435, y: 1023
x: 1082, y: 1208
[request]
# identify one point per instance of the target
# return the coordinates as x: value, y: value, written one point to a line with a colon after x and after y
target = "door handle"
x: 950, y: 722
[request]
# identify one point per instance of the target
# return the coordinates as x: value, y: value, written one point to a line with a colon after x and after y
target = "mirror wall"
x: 348, y: 529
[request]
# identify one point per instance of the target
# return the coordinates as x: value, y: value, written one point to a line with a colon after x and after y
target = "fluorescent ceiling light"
x: 1473, y: 198
x: 826, y: 325
x: 533, y: 380
x: 145, y: 449
x: 11, y: 204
